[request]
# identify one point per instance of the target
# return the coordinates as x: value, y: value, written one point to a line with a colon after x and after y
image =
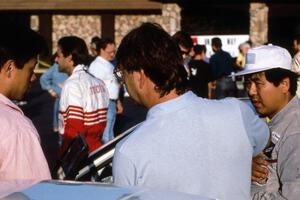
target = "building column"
x: 171, y: 18
x: 108, y: 26
x: 258, y: 23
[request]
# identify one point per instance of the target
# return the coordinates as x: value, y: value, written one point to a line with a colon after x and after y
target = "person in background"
x: 201, y: 73
x: 94, y: 41
x: 185, y: 44
x: 239, y: 65
x: 21, y: 155
x: 222, y: 66
x: 84, y: 98
x: 179, y: 147
x: 52, y: 81
x: 241, y: 59
x: 103, y: 69
x: 296, y: 60
x: 271, y: 86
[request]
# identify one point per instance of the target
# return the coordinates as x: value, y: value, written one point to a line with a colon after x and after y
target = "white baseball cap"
x: 266, y: 57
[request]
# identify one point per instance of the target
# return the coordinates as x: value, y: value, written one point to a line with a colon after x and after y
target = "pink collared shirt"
x: 21, y: 155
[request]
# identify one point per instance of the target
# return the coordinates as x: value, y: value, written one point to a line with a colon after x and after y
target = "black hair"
x: 20, y: 44
x: 198, y: 49
x: 152, y: 49
x: 297, y: 38
x: 216, y: 42
x: 95, y: 39
x: 75, y: 46
x: 102, y: 43
x: 276, y: 75
x: 184, y: 39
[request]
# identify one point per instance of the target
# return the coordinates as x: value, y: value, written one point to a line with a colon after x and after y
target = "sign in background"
x: 230, y: 43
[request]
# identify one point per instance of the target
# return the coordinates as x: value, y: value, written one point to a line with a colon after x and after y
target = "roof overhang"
x: 83, y: 5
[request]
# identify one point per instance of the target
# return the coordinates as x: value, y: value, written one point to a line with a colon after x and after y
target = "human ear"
x: 285, y: 85
x: 141, y: 78
x: 8, y: 68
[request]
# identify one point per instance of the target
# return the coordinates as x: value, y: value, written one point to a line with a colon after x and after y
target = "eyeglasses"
x: 119, y: 75
x: 185, y: 52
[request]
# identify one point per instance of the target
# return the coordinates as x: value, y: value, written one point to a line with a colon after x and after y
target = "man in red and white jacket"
x: 84, y: 98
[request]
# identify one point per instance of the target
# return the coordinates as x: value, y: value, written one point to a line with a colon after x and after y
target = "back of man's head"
x: 216, y: 42
x: 199, y: 49
x: 75, y: 46
x: 102, y: 43
x: 183, y: 39
x: 151, y: 49
x: 20, y: 44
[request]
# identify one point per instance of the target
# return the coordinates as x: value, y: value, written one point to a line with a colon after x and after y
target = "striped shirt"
x: 21, y: 155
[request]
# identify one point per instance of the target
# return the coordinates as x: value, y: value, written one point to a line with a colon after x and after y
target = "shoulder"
x: 135, y: 140
x: 293, y: 126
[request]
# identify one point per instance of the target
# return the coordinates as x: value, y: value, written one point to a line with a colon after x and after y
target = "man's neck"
x: 157, y: 99
x: 283, y: 105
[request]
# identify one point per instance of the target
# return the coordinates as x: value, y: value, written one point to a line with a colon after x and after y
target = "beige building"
x: 114, y: 18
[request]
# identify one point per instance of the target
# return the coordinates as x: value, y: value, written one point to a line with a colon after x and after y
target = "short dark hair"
x: 102, y: 43
x: 276, y: 75
x: 198, y: 49
x: 20, y: 44
x: 297, y: 38
x: 75, y: 46
x: 150, y: 48
x: 95, y: 39
x: 184, y: 39
x: 216, y: 42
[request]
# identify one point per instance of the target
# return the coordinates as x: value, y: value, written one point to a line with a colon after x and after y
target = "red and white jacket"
x: 83, y: 107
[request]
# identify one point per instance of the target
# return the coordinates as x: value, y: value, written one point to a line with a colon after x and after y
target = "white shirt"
x: 193, y: 145
x: 104, y: 70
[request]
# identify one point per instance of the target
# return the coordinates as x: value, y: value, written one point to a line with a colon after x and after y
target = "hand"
x: 60, y: 85
x: 119, y: 107
x: 259, y: 168
x: 52, y: 93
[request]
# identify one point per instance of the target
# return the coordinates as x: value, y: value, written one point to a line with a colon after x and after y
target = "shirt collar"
x: 4, y: 100
x: 171, y: 105
x: 78, y: 68
x: 102, y: 59
x: 294, y: 102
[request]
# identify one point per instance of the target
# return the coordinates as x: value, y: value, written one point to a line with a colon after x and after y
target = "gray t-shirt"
x: 193, y: 145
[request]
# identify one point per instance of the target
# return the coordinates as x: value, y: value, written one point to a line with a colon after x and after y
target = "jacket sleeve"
x: 46, y: 79
x: 289, y: 168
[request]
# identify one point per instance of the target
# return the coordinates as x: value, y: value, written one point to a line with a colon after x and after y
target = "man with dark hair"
x: 201, y: 73
x: 179, y: 147
x: 21, y: 155
x: 93, y: 45
x: 103, y: 69
x: 271, y: 86
x: 84, y: 99
x: 296, y: 60
x: 222, y: 66
x: 185, y: 44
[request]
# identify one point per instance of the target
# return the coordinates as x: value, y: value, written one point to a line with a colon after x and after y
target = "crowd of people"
x: 194, y: 140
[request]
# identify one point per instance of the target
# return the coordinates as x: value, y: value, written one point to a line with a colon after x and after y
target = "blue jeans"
x: 55, y: 113
x: 108, y: 133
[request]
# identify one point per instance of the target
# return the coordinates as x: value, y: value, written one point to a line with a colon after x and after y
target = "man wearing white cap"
x: 271, y: 86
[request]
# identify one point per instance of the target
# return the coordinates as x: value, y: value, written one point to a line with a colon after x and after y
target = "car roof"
x: 55, y: 189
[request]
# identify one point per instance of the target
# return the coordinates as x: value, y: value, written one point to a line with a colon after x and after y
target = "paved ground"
x: 39, y: 110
